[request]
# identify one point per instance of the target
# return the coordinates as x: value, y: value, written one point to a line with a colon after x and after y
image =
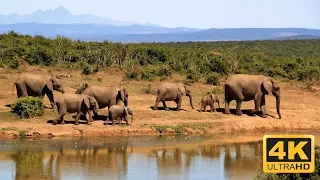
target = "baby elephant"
x: 79, y: 103
x: 209, y: 100
x: 117, y: 111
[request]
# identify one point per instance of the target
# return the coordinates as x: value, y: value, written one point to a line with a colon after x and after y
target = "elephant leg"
x: 178, y: 101
x: 21, y: 92
x: 201, y: 107
x: 257, y: 104
x: 239, y: 113
x: 155, y: 107
x: 60, y: 116
x: 50, y: 96
x: 126, y: 119
x: 89, y: 118
x: 211, y: 108
x: 164, y: 105
x: 77, y: 118
x: 226, y: 109
x: 62, y: 120
x: 263, y: 106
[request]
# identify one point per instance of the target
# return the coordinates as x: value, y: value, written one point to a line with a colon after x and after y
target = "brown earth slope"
x: 299, y: 108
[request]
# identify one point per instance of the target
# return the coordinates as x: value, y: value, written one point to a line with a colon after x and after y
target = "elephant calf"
x: 209, y: 101
x: 117, y: 111
x: 79, y: 103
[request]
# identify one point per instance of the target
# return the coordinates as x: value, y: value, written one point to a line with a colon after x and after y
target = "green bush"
x: 213, y: 78
x: 309, y: 74
x: 149, y: 90
x: 82, y: 88
x: 148, y: 73
x: 192, y: 76
x: 297, y: 176
x: 89, y: 69
x: 28, y: 107
x: 164, y: 71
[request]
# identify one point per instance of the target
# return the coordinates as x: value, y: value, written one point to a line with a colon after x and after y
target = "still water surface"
x: 133, y: 158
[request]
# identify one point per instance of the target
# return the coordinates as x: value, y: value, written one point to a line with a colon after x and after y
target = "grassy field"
x: 299, y: 107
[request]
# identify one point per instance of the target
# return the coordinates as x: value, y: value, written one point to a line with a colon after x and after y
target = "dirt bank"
x: 299, y: 107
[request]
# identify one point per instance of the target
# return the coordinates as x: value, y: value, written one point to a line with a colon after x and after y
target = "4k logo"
x: 288, y: 154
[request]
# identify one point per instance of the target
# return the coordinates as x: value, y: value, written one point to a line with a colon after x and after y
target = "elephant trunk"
x: 190, y: 98
x: 125, y: 102
x: 278, y: 104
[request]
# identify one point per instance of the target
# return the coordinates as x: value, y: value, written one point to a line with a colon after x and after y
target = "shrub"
x: 215, y: 90
x: 213, y: 78
x: 280, y: 176
x: 164, y: 71
x: 192, y: 76
x: 28, y: 107
x: 90, y: 70
x: 309, y: 74
x: 148, y: 73
x: 149, y: 90
x: 82, y: 88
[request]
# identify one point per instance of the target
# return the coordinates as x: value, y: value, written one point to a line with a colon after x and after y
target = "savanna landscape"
x: 141, y: 68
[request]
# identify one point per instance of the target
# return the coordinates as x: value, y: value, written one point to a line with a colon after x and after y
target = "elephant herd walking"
x: 239, y: 87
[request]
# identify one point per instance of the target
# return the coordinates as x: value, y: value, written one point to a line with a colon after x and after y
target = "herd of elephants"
x: 239, y: 87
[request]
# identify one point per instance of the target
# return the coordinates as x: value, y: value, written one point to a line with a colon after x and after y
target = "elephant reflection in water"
x: 101, y: 159
x: 246, y: 158
x: 30, y: 165
x: 93, y: 161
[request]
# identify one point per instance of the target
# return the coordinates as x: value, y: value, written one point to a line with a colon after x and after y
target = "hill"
x: 297, y: 37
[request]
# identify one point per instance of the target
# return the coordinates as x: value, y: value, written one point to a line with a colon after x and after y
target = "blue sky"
x: 187, y: 13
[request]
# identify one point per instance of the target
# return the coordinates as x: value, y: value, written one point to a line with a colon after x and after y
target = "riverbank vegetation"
x: 290, y: 59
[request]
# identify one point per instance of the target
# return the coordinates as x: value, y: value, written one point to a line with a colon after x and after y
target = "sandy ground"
x: 299, y: 109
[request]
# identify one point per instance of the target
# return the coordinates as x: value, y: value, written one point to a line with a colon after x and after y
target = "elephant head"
x: 271, y: 86
x: 90, y: 103
x: 127, y: 111
x: 123, y: 95
x: 185, y: 90
x: 53, y: 83
x: 126, y: 96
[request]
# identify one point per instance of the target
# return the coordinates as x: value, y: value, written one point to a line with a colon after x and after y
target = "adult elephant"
x: 107, y: 96
x: 76, y: 103
x: 242, y: 87
x: 38, y: 86
x: 172, y: 92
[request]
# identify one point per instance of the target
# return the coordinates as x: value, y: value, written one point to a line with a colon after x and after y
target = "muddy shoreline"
x: 85, y: 131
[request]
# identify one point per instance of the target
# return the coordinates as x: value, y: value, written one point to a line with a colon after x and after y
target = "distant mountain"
x: 85, y: 31
x: 297, y: 37
x: 232, y: 34
x: 139, y: 33
x: 60, y: 15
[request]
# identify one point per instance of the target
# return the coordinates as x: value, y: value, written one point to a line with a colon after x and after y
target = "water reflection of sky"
x: 164, y: 159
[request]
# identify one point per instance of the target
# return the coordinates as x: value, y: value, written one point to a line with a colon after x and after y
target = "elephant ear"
x: 49, y: 84
x: 125, y: 111
x: 86, y: 102
x: 267, y: 84
x: 182, y: 89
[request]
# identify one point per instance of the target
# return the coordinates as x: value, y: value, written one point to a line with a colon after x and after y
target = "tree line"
x: 291, y: 59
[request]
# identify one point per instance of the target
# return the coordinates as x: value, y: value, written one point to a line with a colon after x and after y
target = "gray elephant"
x: 76, y: 103
x: 242, y: 87
x: 172, y: 92
x: 38, y: 86
x: 209, y: 101
x: 108, y: 96
x: 117, y: 111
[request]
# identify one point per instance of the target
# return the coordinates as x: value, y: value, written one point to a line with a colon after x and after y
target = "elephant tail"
x: 14, y: 84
